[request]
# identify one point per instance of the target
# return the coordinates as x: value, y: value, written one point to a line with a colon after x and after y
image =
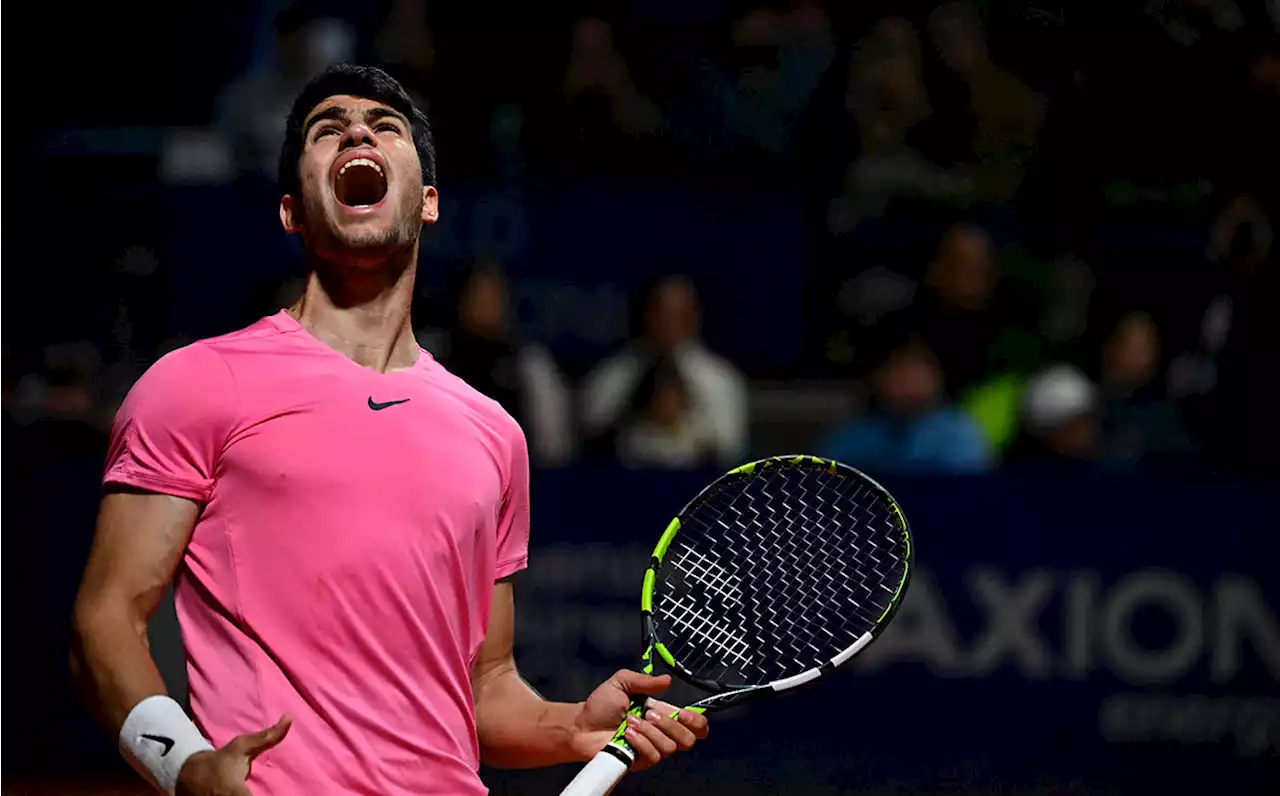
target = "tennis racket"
x: 774, y: 576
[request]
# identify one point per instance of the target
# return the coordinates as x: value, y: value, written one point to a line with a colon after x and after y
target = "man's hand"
x: 224, y: 772
x: 655, y: 737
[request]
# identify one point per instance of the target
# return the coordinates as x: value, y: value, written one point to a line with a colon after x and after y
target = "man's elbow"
x: 97, y: 618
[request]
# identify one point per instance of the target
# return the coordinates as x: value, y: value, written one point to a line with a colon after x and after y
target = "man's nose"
x: 357, y: 134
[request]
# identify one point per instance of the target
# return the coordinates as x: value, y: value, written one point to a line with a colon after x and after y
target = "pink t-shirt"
x: 341, y: 570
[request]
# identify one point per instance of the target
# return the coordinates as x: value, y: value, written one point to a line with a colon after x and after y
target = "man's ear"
x: 290, y: 215
x: 430, y: 204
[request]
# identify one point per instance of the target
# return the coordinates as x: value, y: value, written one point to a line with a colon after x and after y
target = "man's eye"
x: 326, y: 131
x: 387, y: 127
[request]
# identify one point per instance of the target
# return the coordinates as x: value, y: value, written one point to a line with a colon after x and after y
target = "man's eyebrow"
x: 338, y: 113
x: 373, y: 114
x: 334, y: 112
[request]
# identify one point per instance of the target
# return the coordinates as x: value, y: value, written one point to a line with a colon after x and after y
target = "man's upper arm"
x: 165, y: 446
x: 170, y: 431
x: 497, y: 654
x: 139, y: 541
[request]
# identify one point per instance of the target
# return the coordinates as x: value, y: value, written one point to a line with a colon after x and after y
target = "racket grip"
x: 600, y: 775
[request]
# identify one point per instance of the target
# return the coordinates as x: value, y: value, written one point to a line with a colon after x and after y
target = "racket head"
x: 776, y: 573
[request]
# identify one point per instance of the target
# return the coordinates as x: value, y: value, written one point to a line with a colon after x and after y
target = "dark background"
x: 1119, y: 157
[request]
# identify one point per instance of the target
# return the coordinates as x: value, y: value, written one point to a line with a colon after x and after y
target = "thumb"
x: 637, y: 683
x: 254, y: 744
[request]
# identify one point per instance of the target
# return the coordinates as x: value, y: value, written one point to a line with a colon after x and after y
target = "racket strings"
x: 774, y: 574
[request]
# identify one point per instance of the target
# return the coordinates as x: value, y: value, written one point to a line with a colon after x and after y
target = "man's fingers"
x: 696, y: 722
x: 637, y: 683
x: 646, y: 753
x: 677, y: 732
x: 665, y: 708
x: 665, y: 745
x: 254, y: 744
x: 692, y: 719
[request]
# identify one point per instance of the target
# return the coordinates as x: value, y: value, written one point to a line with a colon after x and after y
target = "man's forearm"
x: 112, y: 665
x: 520, y: 729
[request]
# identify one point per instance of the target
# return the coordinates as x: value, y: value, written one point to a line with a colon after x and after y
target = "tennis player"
x: 342, y: 515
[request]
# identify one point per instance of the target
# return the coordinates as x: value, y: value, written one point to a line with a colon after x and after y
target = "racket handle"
x: 600, y: 775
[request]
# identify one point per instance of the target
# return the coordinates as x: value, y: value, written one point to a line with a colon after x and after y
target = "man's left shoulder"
x: 488, y: 412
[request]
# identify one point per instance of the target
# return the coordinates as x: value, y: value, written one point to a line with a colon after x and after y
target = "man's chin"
x: 368, y: 242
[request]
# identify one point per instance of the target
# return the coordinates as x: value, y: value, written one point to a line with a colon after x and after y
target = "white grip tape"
x: 158, y: 738
x: 597, y: 777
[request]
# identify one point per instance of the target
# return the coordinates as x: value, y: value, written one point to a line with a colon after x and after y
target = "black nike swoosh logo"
x: 160, y: 739
x: 377, y: 407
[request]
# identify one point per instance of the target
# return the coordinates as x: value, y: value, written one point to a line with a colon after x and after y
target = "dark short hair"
x: 368, y: 82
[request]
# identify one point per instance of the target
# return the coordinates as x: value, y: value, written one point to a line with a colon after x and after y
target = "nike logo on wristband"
x: 160, y: 739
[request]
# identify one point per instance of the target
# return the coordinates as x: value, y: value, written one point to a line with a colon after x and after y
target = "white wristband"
x: 158, y: 738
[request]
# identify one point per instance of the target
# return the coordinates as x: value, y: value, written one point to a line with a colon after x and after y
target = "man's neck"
x: 363, y: 314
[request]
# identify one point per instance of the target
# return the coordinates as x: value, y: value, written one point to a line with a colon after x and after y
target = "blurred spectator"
x: 909, y: 425
x: 1240, y: 240
x: 406, y: 48
x: 662, y: 430
x: 955, y: 312
x: 251, y: 111
x: 1241, y: 421
x: 714, y: 388
x: 1187, y: 21
x: 1059, y: 418
x: 57, y: 408
x: 1138, y: 421
x: 477, y: 346
x: 886, y: 99
x: 601, y: 120
x: 1006, y: 114
x: 744, y: 114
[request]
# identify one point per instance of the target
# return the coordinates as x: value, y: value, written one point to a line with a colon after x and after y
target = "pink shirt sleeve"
x: 171, y: 428
x: 513, y: 519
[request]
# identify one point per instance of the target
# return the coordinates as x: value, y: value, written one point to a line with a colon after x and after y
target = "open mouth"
x: 360, y: 183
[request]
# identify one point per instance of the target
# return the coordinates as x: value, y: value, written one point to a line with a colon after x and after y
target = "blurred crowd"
x: 960, y: 188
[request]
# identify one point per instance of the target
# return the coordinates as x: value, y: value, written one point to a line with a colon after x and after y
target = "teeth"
x: 360, y: 162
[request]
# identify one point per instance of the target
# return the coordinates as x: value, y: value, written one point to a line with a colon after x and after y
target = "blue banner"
x: 1119, y: 634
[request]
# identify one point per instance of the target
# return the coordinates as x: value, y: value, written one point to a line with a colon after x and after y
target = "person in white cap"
x: 1059, y: 417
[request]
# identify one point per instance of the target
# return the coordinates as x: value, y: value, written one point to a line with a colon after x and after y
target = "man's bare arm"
x: 517, y: 728
x: 139, y: 541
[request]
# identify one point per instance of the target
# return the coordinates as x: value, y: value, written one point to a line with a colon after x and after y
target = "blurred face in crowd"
x: 909, y: 381
x: 957, y: 34
x: 755, y: 37
x: 672, y: 315
x: 963, y: 272
x: 482, y: 308
x: 67, y: 398
x: 1131, y: 354
x: 594, y: 63
x: 361, y: 184
x: 1076, y: 438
